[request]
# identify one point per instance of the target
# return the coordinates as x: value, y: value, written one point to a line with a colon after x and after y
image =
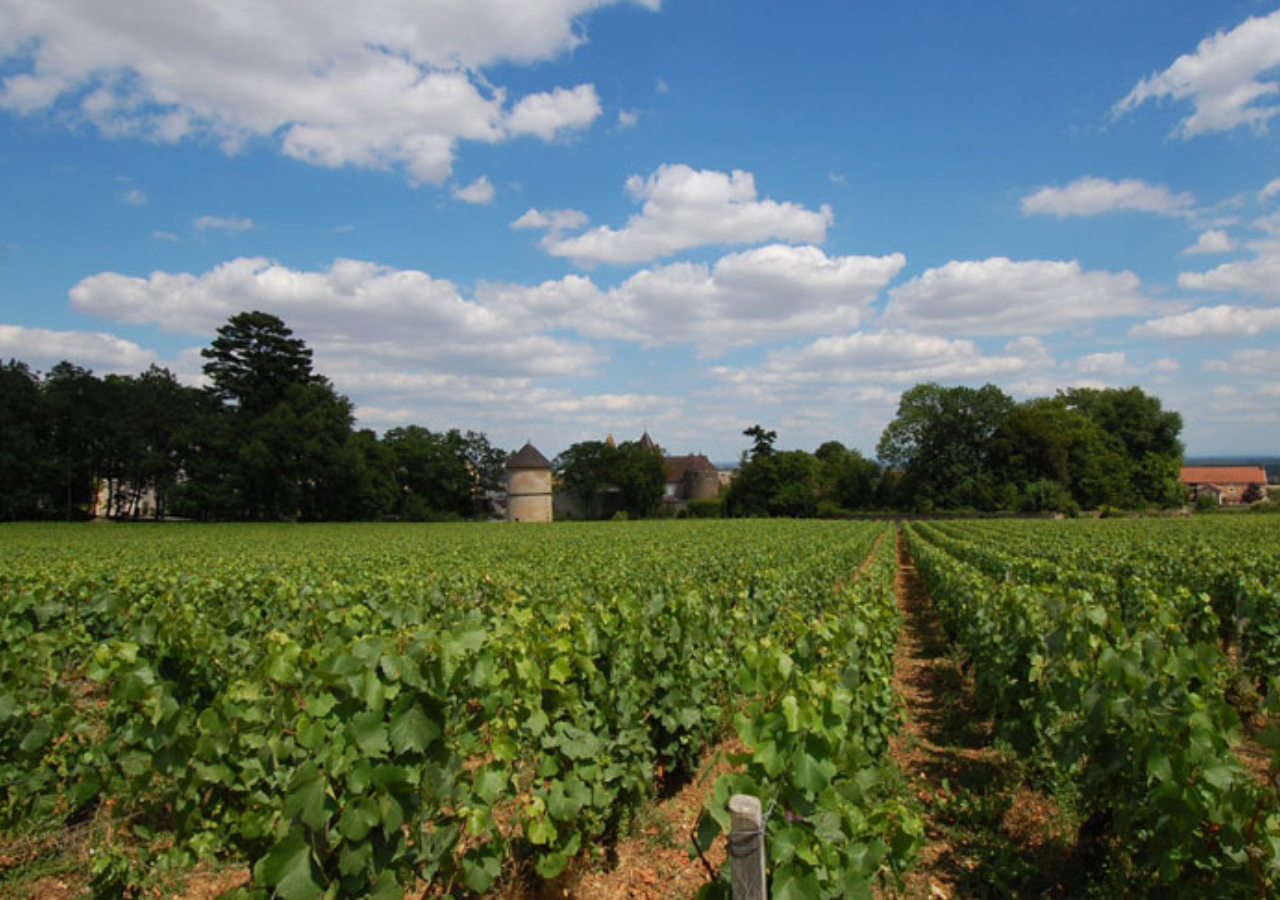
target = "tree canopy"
x: 959, y: 448
x: 269, y: 439
x: 605, y: 479
x: 254, y: 360
x: 940, y: 440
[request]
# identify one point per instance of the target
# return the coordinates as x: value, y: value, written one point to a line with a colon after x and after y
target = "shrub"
x: 1206, y: 502
x: 829, y: 509
x: 706, y: 509
x: 1045, y: 496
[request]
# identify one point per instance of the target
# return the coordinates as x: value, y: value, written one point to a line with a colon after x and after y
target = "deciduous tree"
x: 940, y: 440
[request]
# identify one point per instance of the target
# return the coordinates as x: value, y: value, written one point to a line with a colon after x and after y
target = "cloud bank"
x: 999, y: 296
x: 396, y: 86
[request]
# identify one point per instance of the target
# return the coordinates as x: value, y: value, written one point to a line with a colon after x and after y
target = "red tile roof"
x: 1224, y: 475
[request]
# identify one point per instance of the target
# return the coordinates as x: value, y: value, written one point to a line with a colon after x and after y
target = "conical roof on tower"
x: 647, y: 442
x: 528, y: 457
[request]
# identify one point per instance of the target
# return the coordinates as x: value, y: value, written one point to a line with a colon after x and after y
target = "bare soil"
x: 989, y: 834
x: 654, y: 862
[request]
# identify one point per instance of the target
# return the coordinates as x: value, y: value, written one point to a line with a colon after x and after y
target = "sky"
x: 559, y: 220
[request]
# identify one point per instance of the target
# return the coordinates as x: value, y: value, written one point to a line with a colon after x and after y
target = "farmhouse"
x: 1227, y: 484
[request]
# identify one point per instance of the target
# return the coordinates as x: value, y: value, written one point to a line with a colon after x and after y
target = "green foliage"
x: 606, y: 479
x: 846, y: 478
x: 292, y: 460
x: 445, y: 474
x: 22, y: 447
x: 706, y: 509
x: 817, y: 728
x: 776, y: 483
x: 270, y: 440
x: 349, y: 709
x: 254, y: 360
x: 1045, y: 496
x: 1046, y: 441
x: 1145, y: 435
x: 940, y: 439
x: 1098, y: 647
x: 961, y: 448
x: 762, y: 440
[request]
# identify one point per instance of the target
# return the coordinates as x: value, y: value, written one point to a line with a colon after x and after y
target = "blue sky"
x: 558, y: 220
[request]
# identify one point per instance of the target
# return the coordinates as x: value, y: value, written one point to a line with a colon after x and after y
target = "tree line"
x: 961, y: 448
x: 946, y: 449
x: 268, y: 439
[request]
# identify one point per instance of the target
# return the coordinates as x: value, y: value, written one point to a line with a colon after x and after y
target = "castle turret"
x: 528, y: 486
x: 701, y: 480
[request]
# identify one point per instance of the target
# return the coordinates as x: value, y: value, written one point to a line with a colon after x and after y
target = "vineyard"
x: 386, y: 710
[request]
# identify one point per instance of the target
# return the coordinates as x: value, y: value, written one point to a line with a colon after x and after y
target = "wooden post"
x: 746, y: 847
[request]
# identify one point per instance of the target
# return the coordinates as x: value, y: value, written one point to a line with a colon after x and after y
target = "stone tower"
x: 528, y: 486
x: 701, y: 480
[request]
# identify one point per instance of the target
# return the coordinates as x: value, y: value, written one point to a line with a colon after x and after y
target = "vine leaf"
x: 287, y: 867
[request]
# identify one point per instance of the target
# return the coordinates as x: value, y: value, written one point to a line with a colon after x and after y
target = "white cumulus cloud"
x: 685, y: 208
x: 999, y: 296
x: 44, y: 348
x: 1223, y: 79
x: 358, y: 310
x: 546, y: 115
x: 479, y: 192
x: 1112, y: 363
x: 1212, y: 241
x: 763, y: 295
x: 1223, y: 321
x: 554, y: 220
x: 1253, y: 361
x: 1094, y: 196
x: 880, y: 358
x: 397, y: 85
x: 1258, y: 276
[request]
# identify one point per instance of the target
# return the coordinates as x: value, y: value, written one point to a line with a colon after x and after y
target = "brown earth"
x: 977, y: 811
x: 654, y: 863
x: 651, y: 862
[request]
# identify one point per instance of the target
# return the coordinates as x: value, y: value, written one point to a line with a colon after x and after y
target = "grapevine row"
x: 355, y: 710
x: 1116, y: 680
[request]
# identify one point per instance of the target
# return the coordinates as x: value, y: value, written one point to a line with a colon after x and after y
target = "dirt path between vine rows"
x: 987, y: 833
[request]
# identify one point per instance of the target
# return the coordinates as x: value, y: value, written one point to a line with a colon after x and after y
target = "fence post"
x: 746, y: 847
